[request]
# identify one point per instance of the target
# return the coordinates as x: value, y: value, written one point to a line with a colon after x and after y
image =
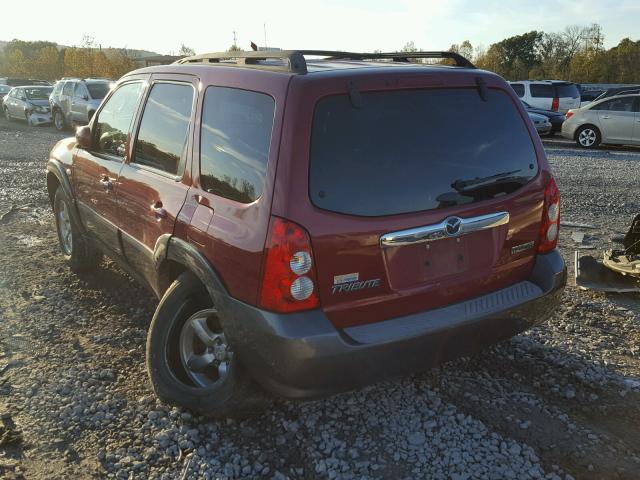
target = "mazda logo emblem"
x: 452, y: 226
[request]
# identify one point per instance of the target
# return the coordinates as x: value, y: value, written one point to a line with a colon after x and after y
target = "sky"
x: 354, y: 25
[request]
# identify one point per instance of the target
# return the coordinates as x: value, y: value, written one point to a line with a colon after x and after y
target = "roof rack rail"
x: 298, y: 64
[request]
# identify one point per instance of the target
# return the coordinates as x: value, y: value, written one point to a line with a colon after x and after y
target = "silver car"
x: 613, y: 120
x: 74, y: 101
x: 542, y: 123
x: 29, y: 103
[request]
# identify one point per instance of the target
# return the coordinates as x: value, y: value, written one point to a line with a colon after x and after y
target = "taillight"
x: 555, y: 104
x: 568, y: 115
x: 288, y: 273
x: 550, y: 226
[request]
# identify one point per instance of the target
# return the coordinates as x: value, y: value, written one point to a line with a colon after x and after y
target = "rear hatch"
x: 419, y: 198
x: 568, y: 95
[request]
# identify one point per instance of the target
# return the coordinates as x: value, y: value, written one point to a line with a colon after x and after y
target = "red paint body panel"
x: 345, y: 244
x: 232, y: 235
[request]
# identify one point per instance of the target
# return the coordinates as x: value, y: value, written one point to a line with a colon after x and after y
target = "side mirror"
x: 85, y: 97
x: 83, y: 136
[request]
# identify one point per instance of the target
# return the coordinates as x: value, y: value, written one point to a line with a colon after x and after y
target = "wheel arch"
x: 57, y: 177
x: 173, y: 256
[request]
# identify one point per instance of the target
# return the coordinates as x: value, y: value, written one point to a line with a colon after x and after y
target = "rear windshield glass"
x: 569, y: 90
x: 38, y: 93
x: 408, y: 151
x: 98, y: 90
x: 542, y: 90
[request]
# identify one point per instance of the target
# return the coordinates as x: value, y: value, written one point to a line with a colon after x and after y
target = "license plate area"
x: 424, y: 263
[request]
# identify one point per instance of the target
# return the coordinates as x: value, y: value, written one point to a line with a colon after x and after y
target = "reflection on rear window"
x: 570, y: 90
x: 407, y: 151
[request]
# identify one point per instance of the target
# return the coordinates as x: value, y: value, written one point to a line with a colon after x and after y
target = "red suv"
x: 312, y: 225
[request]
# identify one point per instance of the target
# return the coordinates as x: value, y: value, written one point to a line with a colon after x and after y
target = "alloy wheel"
x: 587, y: 137
x: 64, y: 224
x: 204, y: 351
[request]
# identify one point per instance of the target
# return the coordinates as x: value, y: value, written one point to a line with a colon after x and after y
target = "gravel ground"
x: 560, y: 401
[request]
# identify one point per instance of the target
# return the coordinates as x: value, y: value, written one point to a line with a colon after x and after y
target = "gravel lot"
x: 560, y: 401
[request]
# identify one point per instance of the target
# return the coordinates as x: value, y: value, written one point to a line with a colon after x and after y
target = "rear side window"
x: 162, y: 135
x: 234, y: 142
x: 408, y: 151
x: 616, y: 105
x: 518, y: 88
x: 542, y: 90
x: 569, y: 90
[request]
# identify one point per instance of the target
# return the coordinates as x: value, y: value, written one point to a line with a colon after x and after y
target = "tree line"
x: 576, y: 54
x: 45, y: 61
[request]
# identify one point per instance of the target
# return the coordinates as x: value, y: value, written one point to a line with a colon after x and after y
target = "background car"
x: 4, y: 89
x: 616, y: 91
x: 75, y: 100
x: 24, y: 82
x: 555, y: 95
x: 555, y: 118
x: 612, y: 120
x: 588, y: 96
x: 28, y: 103
x: 542, y: 123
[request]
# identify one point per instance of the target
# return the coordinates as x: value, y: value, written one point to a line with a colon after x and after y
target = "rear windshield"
x: 38, y: 93
x: 567, y: 90
x: 98, y: 90
x: 408, y: 151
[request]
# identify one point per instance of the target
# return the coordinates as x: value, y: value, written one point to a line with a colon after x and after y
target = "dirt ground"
x: 75, y: 401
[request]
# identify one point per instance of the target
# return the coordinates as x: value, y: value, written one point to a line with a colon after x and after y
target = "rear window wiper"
x: 461, y: 185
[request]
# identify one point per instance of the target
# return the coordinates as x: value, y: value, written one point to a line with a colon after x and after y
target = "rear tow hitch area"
x: 619, y: 270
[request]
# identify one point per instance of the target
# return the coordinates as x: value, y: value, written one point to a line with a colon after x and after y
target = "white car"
x: 555, y: 95
x: 614, y: 120
x: 29, y: 103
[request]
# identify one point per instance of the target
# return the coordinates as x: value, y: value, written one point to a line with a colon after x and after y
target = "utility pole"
x: 235, y: 39
x: 264, y: 25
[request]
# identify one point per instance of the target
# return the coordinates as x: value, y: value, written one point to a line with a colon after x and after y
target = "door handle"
x: 158, y: 210
x: 106, y: 183
x: 606, y: 116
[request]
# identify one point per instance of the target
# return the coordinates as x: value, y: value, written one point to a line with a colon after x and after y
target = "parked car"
x: 24, y: 82
x: 541, y: 123
x: 614, y: 120
x: 4, y: 89
x: 554, y: 95
x: 28, y: 103
x: 555, y: 118
x: 588, y: 96
x: 311, y: 226
x: 74, y: 100
x: 622, y: 90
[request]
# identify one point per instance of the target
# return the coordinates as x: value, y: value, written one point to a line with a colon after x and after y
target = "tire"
x: 80, y: 255
x: 233, y: 393
x: 588, y: 136
x: 7, y: 115
x: 59, y: 121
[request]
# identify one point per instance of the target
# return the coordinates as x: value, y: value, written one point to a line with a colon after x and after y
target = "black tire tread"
x: 239, y: 397
x: 84, y: 256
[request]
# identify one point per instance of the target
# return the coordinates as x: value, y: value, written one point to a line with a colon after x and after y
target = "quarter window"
x: 114, y: 120
x: 234, y: 142
x: 518, y: 88
x: 163, y: 130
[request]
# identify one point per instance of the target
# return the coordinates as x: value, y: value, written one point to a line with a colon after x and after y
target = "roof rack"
x: 296, y: 62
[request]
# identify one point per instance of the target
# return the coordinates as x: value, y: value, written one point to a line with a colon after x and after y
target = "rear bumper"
x: 303, y: 355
